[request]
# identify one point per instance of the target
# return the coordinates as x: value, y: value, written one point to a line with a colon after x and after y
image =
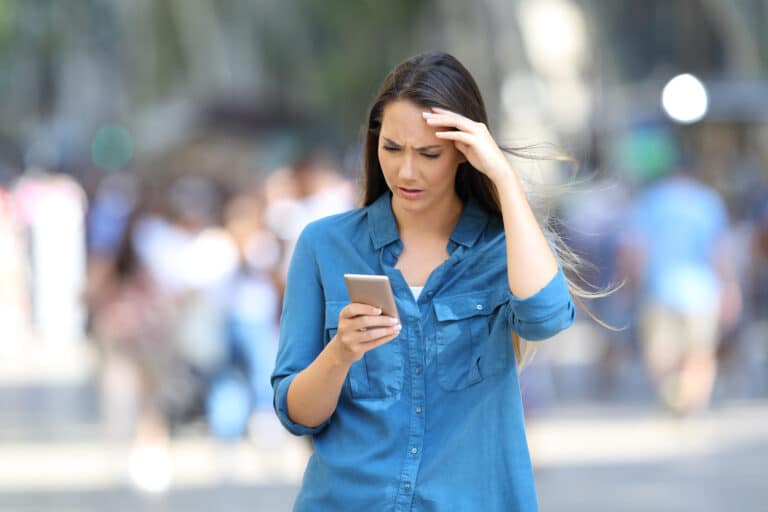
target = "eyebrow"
x: 422, y: 148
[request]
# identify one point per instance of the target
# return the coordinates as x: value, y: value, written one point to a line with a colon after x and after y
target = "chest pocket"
x: 379, y: 373
x: 472, y: 339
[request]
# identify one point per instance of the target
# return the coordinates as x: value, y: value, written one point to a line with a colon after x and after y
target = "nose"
x: 407, y: 170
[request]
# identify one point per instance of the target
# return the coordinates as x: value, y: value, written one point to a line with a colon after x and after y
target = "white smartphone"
x: 374, y: 290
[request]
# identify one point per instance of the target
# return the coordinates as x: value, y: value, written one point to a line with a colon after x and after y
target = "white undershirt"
x: 416, y: 290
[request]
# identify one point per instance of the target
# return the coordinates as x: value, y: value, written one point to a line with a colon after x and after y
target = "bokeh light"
x: 684, y: 99
x: 112, y: 147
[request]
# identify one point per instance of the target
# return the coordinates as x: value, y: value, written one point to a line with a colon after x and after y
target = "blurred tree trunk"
x: 739, y: 35
x: 200, y: 34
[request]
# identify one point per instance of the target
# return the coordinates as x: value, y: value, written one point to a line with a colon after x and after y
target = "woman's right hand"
x: 362, y: 328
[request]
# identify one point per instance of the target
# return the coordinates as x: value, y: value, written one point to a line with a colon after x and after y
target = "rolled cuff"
x: 544, y: 314
x: 281, y: 409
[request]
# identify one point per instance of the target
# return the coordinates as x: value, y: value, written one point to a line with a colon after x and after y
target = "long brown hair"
x: 433, y: 79
x: 437, y: 79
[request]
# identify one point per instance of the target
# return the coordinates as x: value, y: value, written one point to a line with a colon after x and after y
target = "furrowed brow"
x: 421, y: 148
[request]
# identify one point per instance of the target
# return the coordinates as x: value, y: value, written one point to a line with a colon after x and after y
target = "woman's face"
x: 419, y: 168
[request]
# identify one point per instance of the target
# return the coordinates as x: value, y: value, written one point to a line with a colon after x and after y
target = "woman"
x: 424, y: 415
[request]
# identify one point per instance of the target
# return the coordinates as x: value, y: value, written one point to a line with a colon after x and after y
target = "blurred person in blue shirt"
x: 423, y: 413
x: 241, y: 387
x: 675, y: 233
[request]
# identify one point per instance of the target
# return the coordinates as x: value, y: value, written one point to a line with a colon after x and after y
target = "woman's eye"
x: 426, y: 155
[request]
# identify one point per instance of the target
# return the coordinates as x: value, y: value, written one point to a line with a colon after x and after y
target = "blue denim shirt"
x: 433, y: 420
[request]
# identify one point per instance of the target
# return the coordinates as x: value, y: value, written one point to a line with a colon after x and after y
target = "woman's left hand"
x: 473, y: 139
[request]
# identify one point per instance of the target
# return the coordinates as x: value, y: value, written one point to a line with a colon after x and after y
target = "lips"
x: 409, y: 193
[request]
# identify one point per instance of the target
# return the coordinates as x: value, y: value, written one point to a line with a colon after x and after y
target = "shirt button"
x: 414, y: 451
x: 418, y: 410
x: 418, y: 370
x: 479, y: 307
x: 430, y: 293
x: 407, y: 486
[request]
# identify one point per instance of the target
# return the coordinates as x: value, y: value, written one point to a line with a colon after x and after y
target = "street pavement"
x: 619, y: 454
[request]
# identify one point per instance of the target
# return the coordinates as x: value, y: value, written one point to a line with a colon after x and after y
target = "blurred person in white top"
x: 309, y: 190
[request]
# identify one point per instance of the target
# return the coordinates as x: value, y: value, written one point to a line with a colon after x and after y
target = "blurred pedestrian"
x: 310, y: 189
x: 240, y: 387
x: 131, y: 322
x: 675, y: 237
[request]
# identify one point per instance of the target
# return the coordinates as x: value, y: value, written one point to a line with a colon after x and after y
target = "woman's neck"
x: 439, y: 221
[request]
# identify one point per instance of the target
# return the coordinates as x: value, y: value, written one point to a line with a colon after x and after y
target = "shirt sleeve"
x: 301, y: 328
x: 544, y: 314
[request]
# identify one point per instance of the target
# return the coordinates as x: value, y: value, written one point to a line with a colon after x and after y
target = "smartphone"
x: 374, y: 290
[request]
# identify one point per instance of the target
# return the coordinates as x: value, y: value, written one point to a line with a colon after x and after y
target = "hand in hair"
x: 473, y: 139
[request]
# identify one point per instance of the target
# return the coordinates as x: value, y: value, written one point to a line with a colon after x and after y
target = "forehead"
x: 403, y: 123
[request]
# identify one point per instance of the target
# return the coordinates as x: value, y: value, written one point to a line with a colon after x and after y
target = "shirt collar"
x: 383, y: 226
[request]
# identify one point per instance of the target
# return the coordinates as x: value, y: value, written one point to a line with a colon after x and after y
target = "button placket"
x: 416, y: 431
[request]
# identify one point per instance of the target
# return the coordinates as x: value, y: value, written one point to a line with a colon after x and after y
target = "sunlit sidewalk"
x: 588, y: 455
x: 273, y: 458
x: 633, y: 458
x: 594, y: 433
x: 54, y: 454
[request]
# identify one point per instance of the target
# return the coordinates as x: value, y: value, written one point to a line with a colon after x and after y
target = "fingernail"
x: 378, y: 311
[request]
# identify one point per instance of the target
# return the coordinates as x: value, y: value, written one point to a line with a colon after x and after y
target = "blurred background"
x: 158, y: 159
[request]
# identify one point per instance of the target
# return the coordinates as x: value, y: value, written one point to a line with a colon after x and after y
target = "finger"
x: 445, y: 111
x: 354, y: 309
x: 443, y: 117
x: 452, y: 122
x: 362, y: 338
x: 462, y: 137
x: 370, y: 345
x: 371, y: 335
x: 367, y: 322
